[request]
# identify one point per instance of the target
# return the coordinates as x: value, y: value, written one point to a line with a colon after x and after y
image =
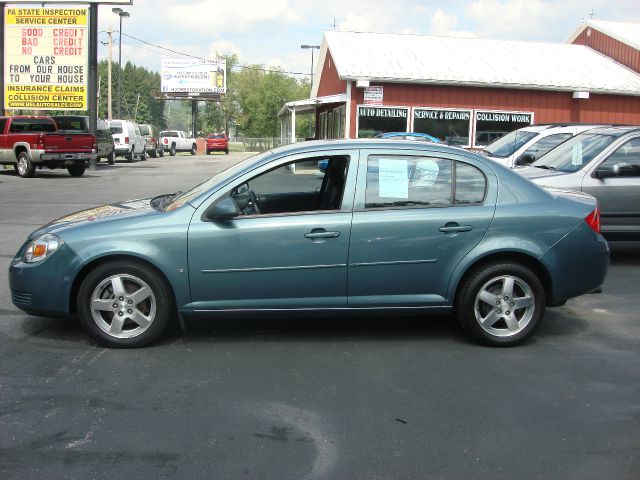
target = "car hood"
x: 534, y: 172
x: 101, y: 214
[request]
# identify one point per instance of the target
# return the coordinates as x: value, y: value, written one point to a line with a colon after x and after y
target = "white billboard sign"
x: 193, y: 76
x: 46, y: 52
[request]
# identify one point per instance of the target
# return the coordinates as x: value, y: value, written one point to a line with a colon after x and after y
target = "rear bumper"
x: 579, y: 261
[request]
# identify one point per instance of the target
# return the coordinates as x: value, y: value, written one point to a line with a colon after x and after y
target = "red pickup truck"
x: 28, y: 142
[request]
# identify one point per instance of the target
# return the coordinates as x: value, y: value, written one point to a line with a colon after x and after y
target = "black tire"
x: 161, y: 152
x: 226, y: 151
x: 486, y: 295
x: 24, y: 166
x: 194, y: 149
x: 143, y: 155
x: 115, y: 326
x: 172, y: 151
x: 153, y: 153
x: 208, y: 152
x: 76, y: 170
x: 111, y: 158
x: 131, y: 155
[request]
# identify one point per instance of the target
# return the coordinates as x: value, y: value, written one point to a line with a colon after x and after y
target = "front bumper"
x: 44, y: 288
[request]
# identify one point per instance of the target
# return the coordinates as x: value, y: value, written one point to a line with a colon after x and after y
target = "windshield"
x: 575, y: 153
x: 207, y: 184
x: 505, y: 146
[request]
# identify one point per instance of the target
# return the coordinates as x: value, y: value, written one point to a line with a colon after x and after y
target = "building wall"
x: 330, y: 83
x: 548, y: 107
x: 620, y: 52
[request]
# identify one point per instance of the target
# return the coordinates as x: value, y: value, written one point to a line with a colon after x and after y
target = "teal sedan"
x: 391, y: 226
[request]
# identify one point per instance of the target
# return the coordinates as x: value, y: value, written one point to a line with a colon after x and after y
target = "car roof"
x: 615, y: 131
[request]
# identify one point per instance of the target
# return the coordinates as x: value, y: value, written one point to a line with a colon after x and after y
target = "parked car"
x: 151, y: 137
x: 217, y: 142
x: 604, y: 162
x: 525, y: 145
x: 34, y: 142
x: 129, y: 142
x: 80, y: 124
x: 415, y: 136
x: 459, y: 234
x: 174, y: 141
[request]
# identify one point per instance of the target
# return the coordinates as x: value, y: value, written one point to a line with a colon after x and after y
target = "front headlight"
x: 41, y: 247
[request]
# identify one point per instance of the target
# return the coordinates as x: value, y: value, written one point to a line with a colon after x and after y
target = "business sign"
x: 373, y: 95
x: 388, y: 112
x: 193, y: 76
x: 46, y: 58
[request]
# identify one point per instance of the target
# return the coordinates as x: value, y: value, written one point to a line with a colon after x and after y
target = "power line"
x: 177, y: 52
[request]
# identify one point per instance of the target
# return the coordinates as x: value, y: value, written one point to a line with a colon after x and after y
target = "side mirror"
x: 525, y: 159
x: 244, y: 188
x: 607, y: 171
x: 225, y: 209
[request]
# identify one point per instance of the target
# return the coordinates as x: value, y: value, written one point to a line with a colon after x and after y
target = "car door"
x: 289, y: 258
x: 619, y: 195
x: 416, y: 215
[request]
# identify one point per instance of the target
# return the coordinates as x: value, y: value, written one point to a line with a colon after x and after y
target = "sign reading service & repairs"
x: 46, y: 56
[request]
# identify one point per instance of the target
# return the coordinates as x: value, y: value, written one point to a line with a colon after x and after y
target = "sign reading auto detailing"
x: 373, y: 95
x: 46, y: 58
x: 193, y: 76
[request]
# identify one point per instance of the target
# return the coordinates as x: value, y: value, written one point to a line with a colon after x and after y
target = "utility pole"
x: 135, y: 114
x: 109, y: 111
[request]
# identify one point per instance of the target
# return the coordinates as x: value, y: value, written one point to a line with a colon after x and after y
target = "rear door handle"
x: 313, y: 234
x: 453, y: 227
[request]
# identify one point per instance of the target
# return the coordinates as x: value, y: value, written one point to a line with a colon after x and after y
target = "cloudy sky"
x: 270, y: 32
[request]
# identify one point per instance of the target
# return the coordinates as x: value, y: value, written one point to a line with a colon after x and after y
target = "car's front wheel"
x: 125, y: 304
x: 501, y: 304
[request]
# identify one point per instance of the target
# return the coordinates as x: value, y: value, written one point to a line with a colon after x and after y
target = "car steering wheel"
x: 254, y: 201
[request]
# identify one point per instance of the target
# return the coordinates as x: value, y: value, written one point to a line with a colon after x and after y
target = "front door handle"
x: 453, y: 227
x: 320, y: 233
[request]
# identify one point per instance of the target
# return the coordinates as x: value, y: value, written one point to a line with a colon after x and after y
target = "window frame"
x: 403, y: 107
x: 246, y: 177
x: 489, y: 195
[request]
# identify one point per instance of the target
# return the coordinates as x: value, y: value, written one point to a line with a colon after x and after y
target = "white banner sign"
x: 193, y: 76
x: 373, y: 95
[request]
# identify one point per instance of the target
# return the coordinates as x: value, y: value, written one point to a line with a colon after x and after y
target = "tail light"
x: 154, y: 140
x: 94, y: 145
x: 593, y: 220
x: 41, y: 141
x: 126, y: 139
x: 166, y: 141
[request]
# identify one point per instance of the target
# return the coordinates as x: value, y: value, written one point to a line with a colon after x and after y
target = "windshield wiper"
x: 546, y: 167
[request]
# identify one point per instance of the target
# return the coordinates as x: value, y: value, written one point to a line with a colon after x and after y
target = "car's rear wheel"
x: 76, y: 170
x: 172, y: 150
x: 501, y: 304
x: 161, y: 152
x: 124, y: 304
x: 111, y: 158
x: 194, y: 149
x: 153, y: 153
x: 226, y: 151
x: 131, y: 155
x: 24, y: 166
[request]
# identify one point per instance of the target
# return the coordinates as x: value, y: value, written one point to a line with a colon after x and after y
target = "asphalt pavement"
x: 309, y: 398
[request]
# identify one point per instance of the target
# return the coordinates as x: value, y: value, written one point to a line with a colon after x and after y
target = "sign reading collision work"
x: 46, y: 58
x: 193, y: 76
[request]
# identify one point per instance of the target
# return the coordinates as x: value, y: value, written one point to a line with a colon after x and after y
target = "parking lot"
x: 321, y: 397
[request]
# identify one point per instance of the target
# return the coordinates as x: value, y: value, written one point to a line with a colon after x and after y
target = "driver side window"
x: 310, y: 184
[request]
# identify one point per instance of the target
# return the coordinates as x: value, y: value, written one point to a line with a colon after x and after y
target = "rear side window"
x: 70, y: 124
x: 471, y: 184
x: 408, y: 181
x: 145, y: 130
x: 401, y: 181
x: 3, y: 123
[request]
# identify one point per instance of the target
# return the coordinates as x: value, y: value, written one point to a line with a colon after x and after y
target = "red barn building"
x: 465, y: 91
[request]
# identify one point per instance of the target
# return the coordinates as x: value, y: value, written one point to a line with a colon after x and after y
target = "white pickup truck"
x: 173, y: 141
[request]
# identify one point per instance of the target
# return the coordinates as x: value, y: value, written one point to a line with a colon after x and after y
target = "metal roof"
x: 309, y: 104
x: 423, y: 59
x: 627, y: 33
